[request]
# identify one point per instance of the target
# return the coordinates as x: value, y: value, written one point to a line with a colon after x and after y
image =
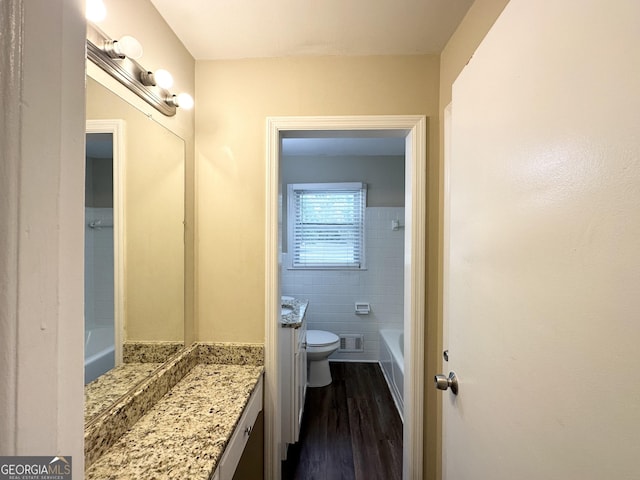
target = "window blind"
x: 328, y: 225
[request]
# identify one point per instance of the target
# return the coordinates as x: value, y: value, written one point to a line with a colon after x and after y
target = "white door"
x: 543, y: 280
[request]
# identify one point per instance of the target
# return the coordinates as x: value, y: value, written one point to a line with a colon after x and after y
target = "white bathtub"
x: 99, y: 352
x: 392, y: 362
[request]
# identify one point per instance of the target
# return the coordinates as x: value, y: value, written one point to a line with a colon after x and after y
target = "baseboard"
x: 390, y: 387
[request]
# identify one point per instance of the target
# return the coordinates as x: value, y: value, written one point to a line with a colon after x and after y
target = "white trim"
x: 117, y: 129
x: 446, y: 224
x: 12, y: 24
x: 413, y: 128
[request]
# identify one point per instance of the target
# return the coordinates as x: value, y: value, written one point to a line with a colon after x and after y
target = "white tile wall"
x: 332, y: 294
x: 98, y: 269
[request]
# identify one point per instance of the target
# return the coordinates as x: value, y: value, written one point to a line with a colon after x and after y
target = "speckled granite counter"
x: 184, y: 435
x: 149, y: 352
x: 106, y: 389
x: 298, y: 307
x: 114, y: 424
x: 105, y: 429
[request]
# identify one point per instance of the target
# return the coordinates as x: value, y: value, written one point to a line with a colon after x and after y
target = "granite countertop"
x: 294, y: 319
x: 184, y: 435
x: 106, y: 389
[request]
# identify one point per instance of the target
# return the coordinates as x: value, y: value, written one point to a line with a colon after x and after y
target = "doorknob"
x: 444, y: 383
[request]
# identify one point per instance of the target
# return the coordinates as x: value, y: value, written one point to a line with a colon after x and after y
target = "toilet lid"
x: 320, y: 338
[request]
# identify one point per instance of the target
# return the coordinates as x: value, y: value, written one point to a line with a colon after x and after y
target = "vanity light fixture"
x: 117, y: 58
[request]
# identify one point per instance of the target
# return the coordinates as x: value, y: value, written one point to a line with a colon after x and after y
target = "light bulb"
x: 129, y: 47
x: 95, y: 11
x: 163, y: 79
x: 185, y: 101
x: 182, y: 100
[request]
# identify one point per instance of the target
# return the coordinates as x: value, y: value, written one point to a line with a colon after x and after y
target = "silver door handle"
x: 444, y: 383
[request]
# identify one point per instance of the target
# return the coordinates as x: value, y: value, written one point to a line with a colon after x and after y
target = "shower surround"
x: 332, y: 294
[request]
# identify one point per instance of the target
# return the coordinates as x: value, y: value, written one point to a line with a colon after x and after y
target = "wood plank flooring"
x: 350, y: 429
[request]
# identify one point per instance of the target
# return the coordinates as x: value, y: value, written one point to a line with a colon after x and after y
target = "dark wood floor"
x: 350, y: 429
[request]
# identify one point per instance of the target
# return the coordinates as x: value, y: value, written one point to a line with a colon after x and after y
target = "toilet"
x: 320, y: 345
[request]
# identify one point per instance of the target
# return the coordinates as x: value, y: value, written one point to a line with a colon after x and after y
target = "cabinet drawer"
x: 235, y: 447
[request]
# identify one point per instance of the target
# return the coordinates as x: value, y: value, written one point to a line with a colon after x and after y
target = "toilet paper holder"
x: 363, y: 308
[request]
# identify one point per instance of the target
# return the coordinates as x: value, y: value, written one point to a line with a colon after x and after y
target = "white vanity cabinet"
x: 235, y: 447
x: 293, y: 350
x: 300, y: 377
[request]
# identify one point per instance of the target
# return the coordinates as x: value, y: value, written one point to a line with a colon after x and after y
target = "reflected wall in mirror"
x: 134, y: 262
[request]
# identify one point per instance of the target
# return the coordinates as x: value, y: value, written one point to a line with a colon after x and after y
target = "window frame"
x: 292, y: 227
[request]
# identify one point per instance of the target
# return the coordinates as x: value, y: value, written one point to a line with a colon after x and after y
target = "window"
x: 326, y: 225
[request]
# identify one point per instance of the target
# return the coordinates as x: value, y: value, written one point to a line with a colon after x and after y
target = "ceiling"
x: 230, y: 29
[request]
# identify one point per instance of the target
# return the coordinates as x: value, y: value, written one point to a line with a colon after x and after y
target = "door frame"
x: 116, y: 128
x: 413, y: 129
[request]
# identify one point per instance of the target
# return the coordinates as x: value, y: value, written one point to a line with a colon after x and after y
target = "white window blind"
x: 326, y: 225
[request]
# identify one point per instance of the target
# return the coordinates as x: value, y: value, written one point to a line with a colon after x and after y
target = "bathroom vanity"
x: 293, y: 355
x: 197, y: 430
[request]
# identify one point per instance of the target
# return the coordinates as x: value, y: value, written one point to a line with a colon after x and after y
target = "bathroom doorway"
x: 103, y: 247
x: 412, y: 129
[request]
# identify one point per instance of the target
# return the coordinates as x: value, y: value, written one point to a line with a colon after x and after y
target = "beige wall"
x: 234, y: 99
x: 162, y: 49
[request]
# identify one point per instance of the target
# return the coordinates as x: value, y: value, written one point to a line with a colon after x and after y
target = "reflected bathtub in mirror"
x: 99, y: 352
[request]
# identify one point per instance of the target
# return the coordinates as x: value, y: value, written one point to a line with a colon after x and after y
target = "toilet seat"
x: 320, y: 338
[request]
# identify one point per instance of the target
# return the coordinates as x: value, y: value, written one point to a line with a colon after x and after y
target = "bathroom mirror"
x: 134, y: 235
